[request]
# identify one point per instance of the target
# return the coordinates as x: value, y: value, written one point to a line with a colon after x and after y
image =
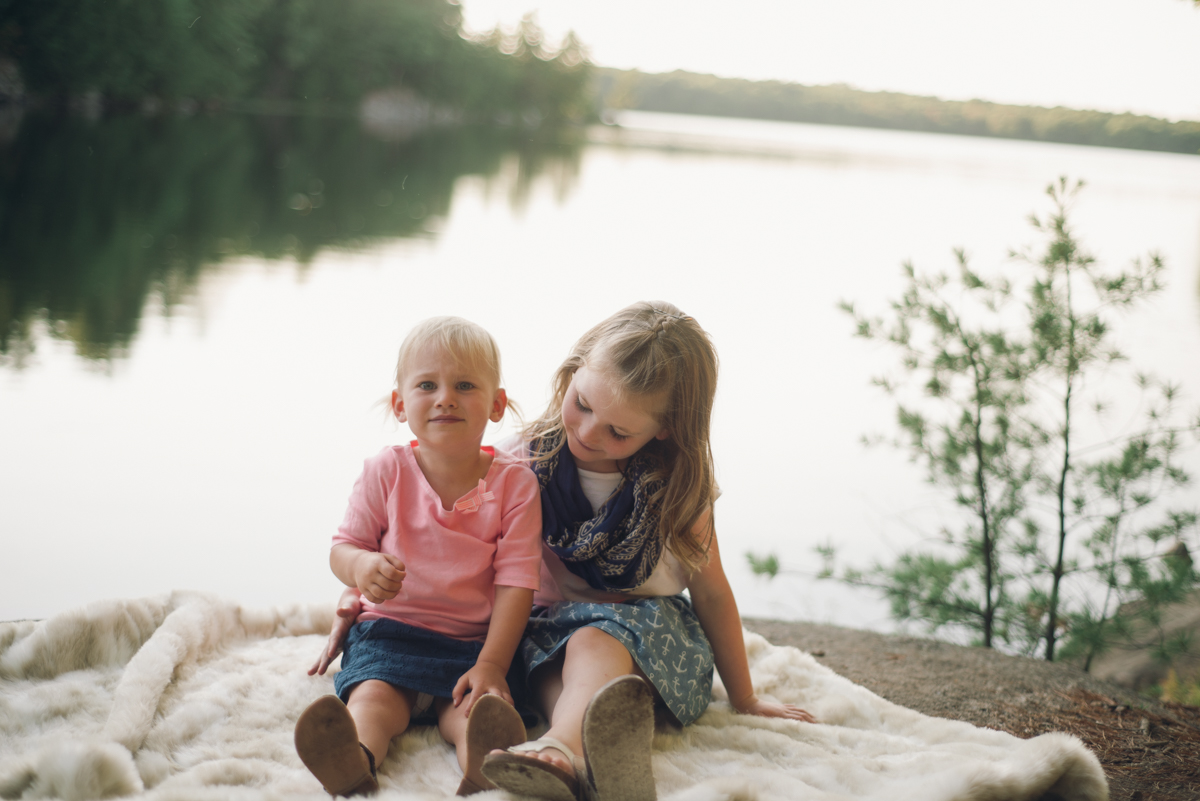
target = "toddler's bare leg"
x: 452, y: 725
x: 380, y: 712
x: 492, y: 724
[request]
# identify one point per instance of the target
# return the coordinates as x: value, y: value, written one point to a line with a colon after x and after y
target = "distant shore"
x: 691, y: 93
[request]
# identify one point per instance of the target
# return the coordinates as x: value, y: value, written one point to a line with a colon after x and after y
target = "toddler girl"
x: 442, y: 540
x: 623, y: 461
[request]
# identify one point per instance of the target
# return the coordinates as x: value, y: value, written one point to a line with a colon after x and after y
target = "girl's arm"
x: 713, y: 602
x: 510, y: 613
x: 348, y: 608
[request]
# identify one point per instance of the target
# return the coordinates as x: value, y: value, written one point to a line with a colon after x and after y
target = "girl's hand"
x: 481, y: 679
x: 349, y: 607
x: 770, y: 709
x: 378, y: 576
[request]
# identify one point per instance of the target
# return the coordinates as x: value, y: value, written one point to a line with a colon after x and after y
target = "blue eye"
x: 428, y: 386
x: 464, y: 386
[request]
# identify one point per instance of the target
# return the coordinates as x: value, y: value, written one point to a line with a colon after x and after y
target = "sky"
x: 1112, y: 55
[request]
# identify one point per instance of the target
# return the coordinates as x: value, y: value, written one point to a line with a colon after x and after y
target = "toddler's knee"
x: 379, y: 694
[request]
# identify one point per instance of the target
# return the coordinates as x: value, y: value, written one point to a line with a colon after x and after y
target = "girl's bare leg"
x: 592, y: 658
x: 380, y: 712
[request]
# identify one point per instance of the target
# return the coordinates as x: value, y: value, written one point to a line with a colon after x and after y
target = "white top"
x: 598, y: 486
x: 669, y: 577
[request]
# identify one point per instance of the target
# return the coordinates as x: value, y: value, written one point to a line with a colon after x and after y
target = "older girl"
x: 623, y: 459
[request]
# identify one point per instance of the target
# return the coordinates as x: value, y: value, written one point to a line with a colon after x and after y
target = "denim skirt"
x: 416, y: 659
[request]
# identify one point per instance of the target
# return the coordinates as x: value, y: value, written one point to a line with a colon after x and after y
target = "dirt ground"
x: 1150, y: 751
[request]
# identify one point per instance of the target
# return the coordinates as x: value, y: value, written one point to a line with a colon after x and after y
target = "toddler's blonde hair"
x: 653, y: 351
x: 468, y: 343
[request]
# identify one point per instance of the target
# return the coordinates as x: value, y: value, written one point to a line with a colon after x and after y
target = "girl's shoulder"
x: 510, y: 466
x: 512, y: 448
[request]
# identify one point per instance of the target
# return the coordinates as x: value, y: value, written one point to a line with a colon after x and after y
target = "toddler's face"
x: 603, y: 428
x: 446, y: 404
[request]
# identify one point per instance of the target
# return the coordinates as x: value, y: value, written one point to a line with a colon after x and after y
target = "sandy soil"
x: 1150, y: 751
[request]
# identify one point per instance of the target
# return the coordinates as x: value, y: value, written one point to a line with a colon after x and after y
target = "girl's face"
x: 446, y: 405
x: 603, y: 429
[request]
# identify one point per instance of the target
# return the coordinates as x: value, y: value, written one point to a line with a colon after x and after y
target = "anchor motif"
x: 680, y: 663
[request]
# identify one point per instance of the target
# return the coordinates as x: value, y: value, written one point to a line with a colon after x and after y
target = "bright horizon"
x: 1141, y: 56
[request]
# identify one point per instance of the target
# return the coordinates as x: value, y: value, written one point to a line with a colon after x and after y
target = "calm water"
x: 207, y: 312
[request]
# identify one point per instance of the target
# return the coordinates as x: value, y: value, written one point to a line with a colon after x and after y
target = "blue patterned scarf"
x: 615, y: 549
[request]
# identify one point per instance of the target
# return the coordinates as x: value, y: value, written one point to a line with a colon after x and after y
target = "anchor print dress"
x: 655, y: 622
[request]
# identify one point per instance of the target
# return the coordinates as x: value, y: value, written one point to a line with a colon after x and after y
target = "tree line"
x: 302, y: 52
x: 690, y: 93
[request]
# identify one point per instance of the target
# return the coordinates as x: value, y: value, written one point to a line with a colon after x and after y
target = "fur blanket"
x: 189, y: 697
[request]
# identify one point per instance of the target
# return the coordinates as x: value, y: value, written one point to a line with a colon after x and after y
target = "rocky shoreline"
x: 1149, y: 750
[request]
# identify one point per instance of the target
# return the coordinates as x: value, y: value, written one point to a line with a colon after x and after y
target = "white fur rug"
x: 188, y: 697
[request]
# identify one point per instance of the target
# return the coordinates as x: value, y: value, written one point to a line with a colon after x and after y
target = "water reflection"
x: 97, y: 217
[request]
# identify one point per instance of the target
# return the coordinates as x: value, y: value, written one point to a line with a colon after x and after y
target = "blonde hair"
x: 464, y: 341
x: 652, y: 350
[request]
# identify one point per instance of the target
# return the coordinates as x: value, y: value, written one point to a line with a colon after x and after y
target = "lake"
x: 206, y: 311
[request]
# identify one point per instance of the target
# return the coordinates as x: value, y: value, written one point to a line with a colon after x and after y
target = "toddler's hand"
x: 769, y: 709
x: 378, y: 576
x: 481, y: 679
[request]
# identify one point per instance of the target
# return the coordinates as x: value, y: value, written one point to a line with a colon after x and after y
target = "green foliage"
x: 828, y: 554
x: 309, y: 53
x: 1103, y: 503
x: 525, y: 70
x: 331, y: 52
x: 764, y: 565
x: 990, y: 402
x: 928, y: 587
x: 170, y: 48
x: 133, y: 49
x: 690, y: 93
x: 1176, y: 690
x: 960, y: 425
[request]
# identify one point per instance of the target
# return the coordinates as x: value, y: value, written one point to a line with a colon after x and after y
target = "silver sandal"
x: 521, y: 774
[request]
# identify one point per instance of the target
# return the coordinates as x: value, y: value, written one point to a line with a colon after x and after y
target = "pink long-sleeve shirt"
x: 453, y: 559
